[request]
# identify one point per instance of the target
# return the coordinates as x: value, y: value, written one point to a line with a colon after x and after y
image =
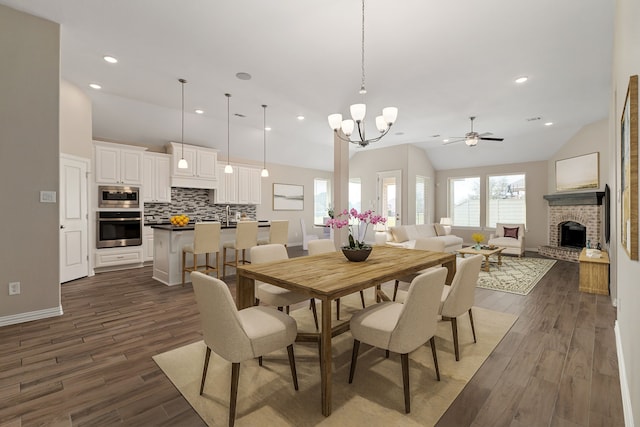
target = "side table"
x: 594, y: 273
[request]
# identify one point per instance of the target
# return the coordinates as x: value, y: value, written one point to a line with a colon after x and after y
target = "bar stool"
x: 246, y: 238
x: 206, y: 240
x: 278, y: 233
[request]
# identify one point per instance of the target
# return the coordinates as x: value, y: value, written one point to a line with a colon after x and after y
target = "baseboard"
x: 624, y: 384
x: 30, y: 316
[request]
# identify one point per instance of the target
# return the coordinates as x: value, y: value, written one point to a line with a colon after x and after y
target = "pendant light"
x: 265, y: 172
x: 228, y: 168
x: 182, y: 164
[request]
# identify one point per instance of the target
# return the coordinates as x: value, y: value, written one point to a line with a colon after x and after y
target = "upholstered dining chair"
x: 458, y: 298
x: 237, y: 336
x: 278, y: 233
x: 401, y: 328
x: 275, y: 295
x: 246, y: 238
x: 424, y: 244
x: 306, y: 238
x: 206, y: 240
x: 321, y: 246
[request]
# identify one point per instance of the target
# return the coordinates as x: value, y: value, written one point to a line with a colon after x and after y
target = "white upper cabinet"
x: 156, y: 186
x: 118, y: 164
x: 202, y: 166
x: 243, y: 186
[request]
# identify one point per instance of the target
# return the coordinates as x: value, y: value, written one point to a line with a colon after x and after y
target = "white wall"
x: 626, y: 62
x: 75, y: 121
x: 29, y: 125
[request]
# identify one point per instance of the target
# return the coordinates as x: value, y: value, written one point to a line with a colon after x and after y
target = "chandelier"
x: 358, y: 111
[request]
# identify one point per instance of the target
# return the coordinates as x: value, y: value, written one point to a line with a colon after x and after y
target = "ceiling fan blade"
x: 492, y: 139
x: 453, y: 141
x: 485, y: 134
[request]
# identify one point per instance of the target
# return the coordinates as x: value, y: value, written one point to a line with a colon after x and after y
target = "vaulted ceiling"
x: 438, y: 62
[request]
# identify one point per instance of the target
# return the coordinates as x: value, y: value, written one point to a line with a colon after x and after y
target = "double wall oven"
x: 119, y: 218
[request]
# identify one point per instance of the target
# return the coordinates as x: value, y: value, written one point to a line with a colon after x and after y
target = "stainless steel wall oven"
x: 119, y: 228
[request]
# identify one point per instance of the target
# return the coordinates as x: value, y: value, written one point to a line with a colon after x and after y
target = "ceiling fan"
x: 472, y: 138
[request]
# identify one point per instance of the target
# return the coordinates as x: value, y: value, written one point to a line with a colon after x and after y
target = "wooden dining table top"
x: 330, y: 275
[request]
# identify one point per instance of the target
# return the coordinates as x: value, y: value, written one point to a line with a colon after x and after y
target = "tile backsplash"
x: 196, y: 203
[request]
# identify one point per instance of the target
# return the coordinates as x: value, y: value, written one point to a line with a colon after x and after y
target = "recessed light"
x: 199, y: 111
x: 399, y: 133
x: 267, y: 128
x: 445, y: 140
x: 110, y: 59
x: 522, y: 79
x: 243, y: 76
x: 549, y: 124
x: 95, y: 86
x: 300, y: 117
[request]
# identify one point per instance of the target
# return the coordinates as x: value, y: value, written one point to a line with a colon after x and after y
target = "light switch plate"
x: 47, y: 196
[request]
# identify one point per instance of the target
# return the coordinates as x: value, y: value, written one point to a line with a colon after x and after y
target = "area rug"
x: 266, y: 396
x: 515, y: 275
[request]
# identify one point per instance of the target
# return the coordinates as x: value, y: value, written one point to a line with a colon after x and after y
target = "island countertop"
x: 190, y: 226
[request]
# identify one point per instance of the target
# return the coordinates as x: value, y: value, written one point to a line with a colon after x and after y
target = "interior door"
x: 74, y: 243
x: 389, y: 196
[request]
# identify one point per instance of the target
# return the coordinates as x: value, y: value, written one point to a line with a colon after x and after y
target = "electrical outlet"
x: 14, y: 288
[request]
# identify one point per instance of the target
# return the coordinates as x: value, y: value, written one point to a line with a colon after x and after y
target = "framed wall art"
x: 578, y: 173
x: 629, y: 171
x: 288, y: 197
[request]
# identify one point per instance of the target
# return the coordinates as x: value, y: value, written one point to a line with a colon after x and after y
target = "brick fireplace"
x: 573, y: 218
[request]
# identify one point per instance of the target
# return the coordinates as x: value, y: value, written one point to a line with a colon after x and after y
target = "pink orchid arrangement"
x: 354, y: 219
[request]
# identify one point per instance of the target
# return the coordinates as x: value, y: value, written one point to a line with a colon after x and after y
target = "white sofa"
x: 514, y: 246
x: 405, y: 236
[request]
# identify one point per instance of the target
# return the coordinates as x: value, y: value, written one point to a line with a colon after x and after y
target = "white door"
x: 389, y: 196
x: 74, y: 244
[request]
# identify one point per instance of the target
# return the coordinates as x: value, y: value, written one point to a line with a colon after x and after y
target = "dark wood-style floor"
x: 92, y: 366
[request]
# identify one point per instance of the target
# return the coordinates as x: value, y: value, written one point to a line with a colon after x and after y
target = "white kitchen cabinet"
x: 118, y: 163
x: 147, y: 243
x: 156, y: 186
x: 202, y: 166
x: 114, y: 257
x: 243, y: 186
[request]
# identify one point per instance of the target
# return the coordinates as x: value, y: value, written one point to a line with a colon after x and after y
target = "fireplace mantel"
x: 575, y: 199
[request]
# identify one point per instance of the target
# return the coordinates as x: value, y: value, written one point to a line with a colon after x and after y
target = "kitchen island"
x: 168, y: 241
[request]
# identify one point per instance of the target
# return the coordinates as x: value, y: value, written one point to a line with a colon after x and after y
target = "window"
x: 321, y: 200
x: 506, y: 201
x: 355, y: 194
x: 421, y: 199
x: 464, y: 201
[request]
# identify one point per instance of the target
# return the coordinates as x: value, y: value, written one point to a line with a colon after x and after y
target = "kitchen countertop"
x: 170, y: 227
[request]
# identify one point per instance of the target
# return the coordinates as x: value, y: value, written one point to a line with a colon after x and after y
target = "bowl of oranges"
x: 180, y: 220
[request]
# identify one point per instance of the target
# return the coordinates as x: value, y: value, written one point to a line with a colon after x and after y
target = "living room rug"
x: 515, y: 275
x: 266, y: 396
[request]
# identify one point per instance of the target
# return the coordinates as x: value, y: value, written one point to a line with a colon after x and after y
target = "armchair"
x: 509, y: 236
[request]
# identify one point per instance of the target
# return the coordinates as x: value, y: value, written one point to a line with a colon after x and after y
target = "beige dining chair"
x: 322, y: 246
x: 458, y: 298
x: 206, y: 240
x: 239, y: 335
x: 246, y: 238
x: 306, y: 238
x: 278, y: 233
x: 425, y: 244
x: 401, y: 328
x: 275, y: 295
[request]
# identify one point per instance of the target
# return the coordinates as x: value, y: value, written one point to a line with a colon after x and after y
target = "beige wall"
x: 626, y: 62
x: 536, y: 182
x: 593, y: 138
x: 29, y: 125
x: 75, y: 121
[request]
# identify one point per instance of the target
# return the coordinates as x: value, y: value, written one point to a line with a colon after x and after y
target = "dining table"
x: 330, y: 276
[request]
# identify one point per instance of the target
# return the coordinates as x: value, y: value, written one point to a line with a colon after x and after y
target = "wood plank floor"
x: 92, y: 366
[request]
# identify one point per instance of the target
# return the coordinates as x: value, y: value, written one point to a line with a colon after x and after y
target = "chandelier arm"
x: 361, y: 131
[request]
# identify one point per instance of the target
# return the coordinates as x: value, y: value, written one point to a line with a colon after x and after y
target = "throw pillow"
x: 511, y: 232
x: 399, y: 234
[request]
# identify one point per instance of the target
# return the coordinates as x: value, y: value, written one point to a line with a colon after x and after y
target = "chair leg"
x: 195, y: 262
x: 224, y: 262
x: 354, y: 359
x: 204, y: 369
x: 235, y: 375
x: 473, y: 329
x: 395, y: 290
x: 435, y: 356
x: 315, y: 313
x: 338, y: 309
x: 454, y: 329
x: 362, y: 298
x: 292, y: 364
x: 405, y: 380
